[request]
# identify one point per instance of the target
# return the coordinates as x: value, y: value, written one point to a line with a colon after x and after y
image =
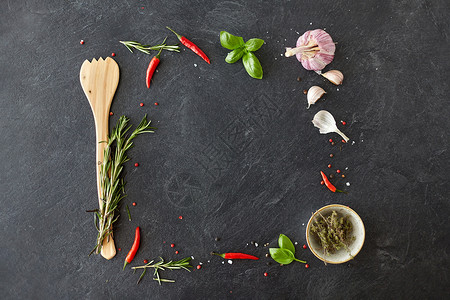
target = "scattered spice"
x: 267, y: 255
x: 82, y: 42
x: 305, y: 247
x: 141, y: 104
x: 235, y: 255
x: 113, y: 54
x: 330, y: 140
x: 199, y: 267
x: 176, y: 252
x: 136, y: 164
x: 333, y: 143
x: 344, y: 123
x: 329, y: 166
x: 191, y: 46
x: 134, y: 248
x: 156, y: 103
x: 111, y: 113
x: 180, y: 217
x: 322, y: 183
x: 307, y: 266
x: 331, y: 175
x: 299, y: 79
x: 338, y: 171
x: 172, y: 245
x: 331, y: 155
x: 343, y: 176
x: 265, y: 274
x: 217, y: 239
x: 120, y: 249
x: 134, y: 203
x: 332, y: 232
x: 305, y: 92
x: 145, y: 261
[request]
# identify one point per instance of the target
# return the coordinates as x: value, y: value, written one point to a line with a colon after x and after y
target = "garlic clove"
x: 335, y: 76
x: 327, y: 124
x: 314, y: 94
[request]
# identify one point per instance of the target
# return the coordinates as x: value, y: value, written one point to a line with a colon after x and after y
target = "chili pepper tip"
x: 124, y: 265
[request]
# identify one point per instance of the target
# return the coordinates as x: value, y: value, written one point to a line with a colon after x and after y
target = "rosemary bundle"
x: 112, y: 185
x: 333, y: 232
x: 161, y: 265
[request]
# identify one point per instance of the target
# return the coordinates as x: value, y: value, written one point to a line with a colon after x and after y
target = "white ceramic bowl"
x: 342, y: 255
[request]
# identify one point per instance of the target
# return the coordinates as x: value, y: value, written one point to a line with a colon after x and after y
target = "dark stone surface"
x: 238, y: 158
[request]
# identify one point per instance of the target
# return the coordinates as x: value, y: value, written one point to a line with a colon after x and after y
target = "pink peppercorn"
x: 141, y: 104
x: 266, y: 274
x: 136, y: 165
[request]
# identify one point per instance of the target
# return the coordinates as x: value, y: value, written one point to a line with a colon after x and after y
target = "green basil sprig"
x: 286, y: 253
x: 244, y: 51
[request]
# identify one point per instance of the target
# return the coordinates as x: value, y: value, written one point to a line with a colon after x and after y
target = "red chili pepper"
x: 235, y: 255
x: 152, y: 66
x: 134, y: 248
x: 328, y: 184
x: 191, y: 46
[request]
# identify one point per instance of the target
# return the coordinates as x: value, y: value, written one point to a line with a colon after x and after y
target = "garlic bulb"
x: 314, y: 94
x: 334, y: 76
x: 326, y: 124
x: 315, y: 49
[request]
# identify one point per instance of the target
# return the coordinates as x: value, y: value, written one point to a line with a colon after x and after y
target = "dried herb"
x: 161, y: 265
x: 333, y: 232
x: 112, y: 184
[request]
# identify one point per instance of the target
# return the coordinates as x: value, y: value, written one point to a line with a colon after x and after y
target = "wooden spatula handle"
x: 101, y: 129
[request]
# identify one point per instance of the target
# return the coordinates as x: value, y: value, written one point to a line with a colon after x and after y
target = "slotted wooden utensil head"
x: 99, y: 79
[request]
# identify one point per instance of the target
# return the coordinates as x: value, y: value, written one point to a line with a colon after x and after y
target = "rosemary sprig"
x: 147, y: 48
x: 161, y: 265
x: 112, y: 186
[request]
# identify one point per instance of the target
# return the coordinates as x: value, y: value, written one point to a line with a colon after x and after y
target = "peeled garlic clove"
x: 314, y: 94
x: 315, y: 49
x: 327, y: 124
x: 335, y: 76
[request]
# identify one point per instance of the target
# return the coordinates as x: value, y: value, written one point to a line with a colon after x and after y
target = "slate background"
x: 238, y: 158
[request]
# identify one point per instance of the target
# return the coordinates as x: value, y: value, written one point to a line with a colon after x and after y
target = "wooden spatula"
x: 99, y: 80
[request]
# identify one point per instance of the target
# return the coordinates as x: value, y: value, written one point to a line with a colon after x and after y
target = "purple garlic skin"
x: 315, y: 49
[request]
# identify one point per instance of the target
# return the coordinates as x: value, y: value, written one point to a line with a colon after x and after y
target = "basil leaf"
x: 254, y: 44
x: 282, y: 256
x: 230, y: 41
x: 285, y: 243
x: 252, y: 65
x: 235, y: 55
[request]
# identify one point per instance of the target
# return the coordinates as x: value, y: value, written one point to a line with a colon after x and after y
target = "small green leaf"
x: 252, y: 65
x: 230, y: 41
x: 234, y: 55
x: 282, y: 256
x: 254, y: 44
x: 285, y: 243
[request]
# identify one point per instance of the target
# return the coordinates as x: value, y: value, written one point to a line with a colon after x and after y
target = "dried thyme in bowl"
x: 332, y: 232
